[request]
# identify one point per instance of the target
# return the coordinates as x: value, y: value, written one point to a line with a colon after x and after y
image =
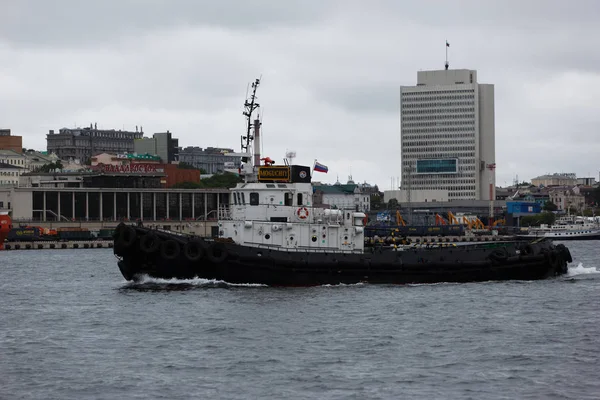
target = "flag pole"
x: 313, y: 168
x: 447, y: 64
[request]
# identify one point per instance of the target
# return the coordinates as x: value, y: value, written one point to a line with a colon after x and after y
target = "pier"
x: 52, y: 245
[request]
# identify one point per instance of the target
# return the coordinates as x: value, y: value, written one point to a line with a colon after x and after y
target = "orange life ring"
x: 302, y: 213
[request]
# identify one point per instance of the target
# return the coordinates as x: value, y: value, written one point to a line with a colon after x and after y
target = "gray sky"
x: 331, y: 74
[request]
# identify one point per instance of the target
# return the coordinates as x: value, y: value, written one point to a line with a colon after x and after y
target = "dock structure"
x: 52, y: 245
x: 68, y: 204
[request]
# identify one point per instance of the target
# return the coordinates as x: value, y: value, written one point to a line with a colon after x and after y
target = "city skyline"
x: 330, y: 90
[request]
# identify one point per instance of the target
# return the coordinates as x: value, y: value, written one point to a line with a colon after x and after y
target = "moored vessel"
x: 271, y: 232
x: 566, y: 228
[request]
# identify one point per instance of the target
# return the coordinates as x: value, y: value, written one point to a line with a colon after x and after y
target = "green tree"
x: 393, y: 204
x: 224, y: 180
x: 549, y: 206
x: 376, y: 201
x: 184, y: 165
x: 538, y: 219
x: 187, y: 185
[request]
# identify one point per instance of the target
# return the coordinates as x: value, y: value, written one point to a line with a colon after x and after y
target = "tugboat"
x: 272, y: 233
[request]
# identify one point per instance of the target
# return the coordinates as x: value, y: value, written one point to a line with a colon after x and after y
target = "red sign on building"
x: 131, y: 168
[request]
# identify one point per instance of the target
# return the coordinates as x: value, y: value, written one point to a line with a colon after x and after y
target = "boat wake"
x: 148, y: 283
x: 581, y: 270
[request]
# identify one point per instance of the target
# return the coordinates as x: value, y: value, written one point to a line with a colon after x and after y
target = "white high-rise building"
x: 447, y: 136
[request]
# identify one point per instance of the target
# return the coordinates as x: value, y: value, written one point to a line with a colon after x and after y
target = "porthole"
x: 314, y: 238
x: 267, y: 236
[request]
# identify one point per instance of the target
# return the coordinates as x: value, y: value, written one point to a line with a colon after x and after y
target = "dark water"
x: 72, y: 328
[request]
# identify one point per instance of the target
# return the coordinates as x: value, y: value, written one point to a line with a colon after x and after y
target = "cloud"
x: 331, y: 74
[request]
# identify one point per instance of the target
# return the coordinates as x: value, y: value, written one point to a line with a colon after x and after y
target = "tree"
x: 538, y: 219
x: 376, y: 201
x: 50, y: 167
x: 225, y: 180
x: 393, y: 204
x: 187, y: 185
x: 184, y: 165
x: 549, y: 206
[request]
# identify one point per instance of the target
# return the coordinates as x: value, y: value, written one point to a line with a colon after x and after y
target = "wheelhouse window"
x: 243, y: 198
x: 253, y: 198
x: 300, y: 199
x: 287, y: 199
x: 235, y: 198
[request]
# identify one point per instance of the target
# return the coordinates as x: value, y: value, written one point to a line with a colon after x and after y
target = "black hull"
x: 159, y: 257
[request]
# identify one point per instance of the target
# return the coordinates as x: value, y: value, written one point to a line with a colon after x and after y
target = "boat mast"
x: 250, y: 105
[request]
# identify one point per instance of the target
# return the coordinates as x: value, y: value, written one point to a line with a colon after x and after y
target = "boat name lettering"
x: 274, y: 173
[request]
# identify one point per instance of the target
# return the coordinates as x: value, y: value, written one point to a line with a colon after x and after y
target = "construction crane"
x: 500, y: 222
x: 478, y: 224
x: 439, y: 220
x: 467, y: 222
x: 399, y: 219
x: 452, y: 219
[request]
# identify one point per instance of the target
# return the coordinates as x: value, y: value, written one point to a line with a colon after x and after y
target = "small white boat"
x: 566, y: 228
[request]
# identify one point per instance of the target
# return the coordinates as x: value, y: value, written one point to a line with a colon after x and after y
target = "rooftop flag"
x: 320, y: 167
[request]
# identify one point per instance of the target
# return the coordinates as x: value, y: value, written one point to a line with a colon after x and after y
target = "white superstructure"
x: 447, y: 137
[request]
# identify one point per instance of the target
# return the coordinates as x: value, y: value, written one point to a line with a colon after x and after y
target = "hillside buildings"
x: 447, y: 137
x: 211, y: 159
x: 83, y: 143
x: 162, y: 144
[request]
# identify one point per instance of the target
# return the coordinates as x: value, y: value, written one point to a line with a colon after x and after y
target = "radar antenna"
x: 250, y: 105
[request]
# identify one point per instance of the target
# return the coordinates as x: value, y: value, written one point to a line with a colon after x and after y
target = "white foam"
x: 581, y: 270
x: 145, y: 279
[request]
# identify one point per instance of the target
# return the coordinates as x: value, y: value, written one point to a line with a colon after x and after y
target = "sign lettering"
x: 130, y: 168
x: 274, y: 173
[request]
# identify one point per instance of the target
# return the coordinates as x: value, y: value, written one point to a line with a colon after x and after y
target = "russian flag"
x: 320, y: 167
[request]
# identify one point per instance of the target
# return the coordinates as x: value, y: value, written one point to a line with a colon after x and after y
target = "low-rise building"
x: 562, y: 179
x: 9, y: 175
x: 567, y: 197
x: 35, y: 159
x: 348, y: 196
x: 213, y: 160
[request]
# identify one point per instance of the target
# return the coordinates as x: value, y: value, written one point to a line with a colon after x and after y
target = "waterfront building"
x: 213, y: 160
x: 10, y: 142
x: 161, y: 144
x: 83, y: 143
x: 447, y: 137
x: 43, y: 204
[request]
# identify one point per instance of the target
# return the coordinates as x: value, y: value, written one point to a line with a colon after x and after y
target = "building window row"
x: 420, y: 142
x: 422, y: 98
x: 431, y: 92
x: 438, y: 124
x: 438, y: 110
x: 432, y: 105
x: 430, y: 117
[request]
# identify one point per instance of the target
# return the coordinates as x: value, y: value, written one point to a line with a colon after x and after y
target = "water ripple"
x: 72, y: 328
